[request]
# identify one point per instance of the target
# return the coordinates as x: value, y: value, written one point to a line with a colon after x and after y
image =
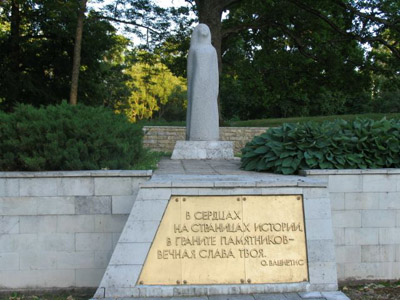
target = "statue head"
x: 201, y: 35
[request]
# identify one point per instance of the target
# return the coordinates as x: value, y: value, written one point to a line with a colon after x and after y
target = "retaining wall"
x: 58, y: 229
x: 366, y: 222
x: 159, y: 138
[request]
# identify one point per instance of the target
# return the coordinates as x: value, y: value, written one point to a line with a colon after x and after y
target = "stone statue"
x: 202, y: 121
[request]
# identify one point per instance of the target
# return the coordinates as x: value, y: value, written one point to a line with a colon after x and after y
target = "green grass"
x: 279, y: 121
x: 149, y: 160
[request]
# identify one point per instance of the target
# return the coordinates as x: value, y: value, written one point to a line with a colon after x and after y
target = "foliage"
x: 149, y: 160
x: 363, y: 143
x: 65, y: 137
x: 36, y: 55
x: 154, y: 89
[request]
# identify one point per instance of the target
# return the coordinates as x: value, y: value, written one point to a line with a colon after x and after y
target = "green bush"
x: 362, y: 143
x: 65, y: 137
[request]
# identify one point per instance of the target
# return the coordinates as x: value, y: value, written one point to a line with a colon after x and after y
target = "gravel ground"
x: 373, y: 291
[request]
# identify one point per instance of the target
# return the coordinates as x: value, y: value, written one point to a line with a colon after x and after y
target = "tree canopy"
x: 276, y: 58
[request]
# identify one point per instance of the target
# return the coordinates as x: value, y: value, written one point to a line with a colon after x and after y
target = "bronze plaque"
x: 228, y: 240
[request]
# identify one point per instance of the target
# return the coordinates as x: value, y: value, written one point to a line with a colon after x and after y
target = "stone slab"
x: 203, y: 150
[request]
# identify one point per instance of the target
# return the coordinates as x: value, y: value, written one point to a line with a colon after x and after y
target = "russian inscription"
x: 228, y: 240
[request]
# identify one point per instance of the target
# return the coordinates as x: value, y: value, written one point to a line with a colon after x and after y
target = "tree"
x: 46, y: 39
x: 153, y: 86
x: 77, y: 54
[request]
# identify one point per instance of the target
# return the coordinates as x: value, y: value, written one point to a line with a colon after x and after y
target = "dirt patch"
x: 373, y: 291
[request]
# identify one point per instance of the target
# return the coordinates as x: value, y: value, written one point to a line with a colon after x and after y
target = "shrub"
x: 362, y: 143
x: 65, y: 137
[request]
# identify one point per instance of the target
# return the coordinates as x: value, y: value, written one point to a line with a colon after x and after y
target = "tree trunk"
x: 15, y: 51
x: 77, y: 54
x: 210, y: 14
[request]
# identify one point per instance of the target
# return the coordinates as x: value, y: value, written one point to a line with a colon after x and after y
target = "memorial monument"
x: 196, y: 232
x: 202, y: 120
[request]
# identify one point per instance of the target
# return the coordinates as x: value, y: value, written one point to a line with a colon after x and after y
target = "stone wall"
x: 162, y: 138
x: 366, y: 222
x: 58, y: 229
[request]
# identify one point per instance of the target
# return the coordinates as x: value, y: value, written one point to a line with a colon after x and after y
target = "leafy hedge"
x: 362, y: 143
x: 65, y: 137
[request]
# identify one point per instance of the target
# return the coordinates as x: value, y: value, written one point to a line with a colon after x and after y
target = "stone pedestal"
x: 122, y: 277
x: 203, y: 150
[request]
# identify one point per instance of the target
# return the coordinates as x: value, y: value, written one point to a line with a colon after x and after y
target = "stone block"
x: 110, y: 223
x: 317, y: 208
x: 102, y: 258
x: 94, y: 241
x: 9, y: 225
x: 74, y: 223
x: 9, y: 261
x: 345, y: 183
x: 319, y: 229
x: 149, y: 210
x: 17, y: 242
x: 130, y: 254
x: 18, y: 206
x: 378, y: 218
x: 334, y: 296
x: 343, y: 218
x: 339, y: 236
x: 398, y: 219
x: 88, y: 277
x: 56, y: 242
x: 363, y: 200
x: 391, y: 201
x: 340, y: 272
x: 337, y: 201
x: 287, y: 191
x: 55, y: 205
x: 9, y: 187
x: 75, y: 260
x: 203, y: 150
x: 322, y: 272
x: 371, y: 271
x: 155, y: 194
x: 76, y: 186
x: 38, y: 260
x: 315, y: 193
x: 139, y: 231
x: 122, y: 276
x: 378, y: 253
x: 92, y: 205
x: 345, y: 254
x: 379, y: 183
x: 389, y: 236
x: 320, y: 251
x: 361, y: 236
x: 117, y: 186
x: 115, y: 238
x: 38, y: 186
x: 38, y: 224
x: 32, y: 278
x: 310, y: 295
x: 122, y: 204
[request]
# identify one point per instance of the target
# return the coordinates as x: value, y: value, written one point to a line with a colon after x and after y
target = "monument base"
x: 203, y: 150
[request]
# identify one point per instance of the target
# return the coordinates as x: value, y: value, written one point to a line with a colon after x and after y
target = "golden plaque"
x: 228, y: 240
